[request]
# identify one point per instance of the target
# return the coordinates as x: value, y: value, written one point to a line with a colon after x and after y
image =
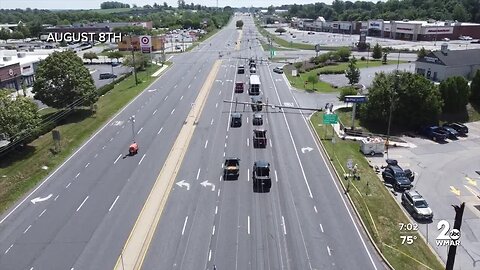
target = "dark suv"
x: 236, y: 120
x: 397, y: 177
x: 416, y: 205
x: 460, y: 128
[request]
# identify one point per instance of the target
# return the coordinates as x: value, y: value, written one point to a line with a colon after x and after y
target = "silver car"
x: 416, y: 205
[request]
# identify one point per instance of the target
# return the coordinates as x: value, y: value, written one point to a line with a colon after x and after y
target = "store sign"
x: 145, y: 43
x: 375, y: 25
x: 345, y: 26
x: 443, y: 30
x: 406, y: 30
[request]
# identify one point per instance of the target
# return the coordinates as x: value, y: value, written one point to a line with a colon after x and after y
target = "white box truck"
x: 372, y: 146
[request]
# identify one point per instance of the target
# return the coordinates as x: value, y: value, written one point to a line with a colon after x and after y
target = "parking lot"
x: 333, y: 39
x: 96, y: 70
x: 445, y: 176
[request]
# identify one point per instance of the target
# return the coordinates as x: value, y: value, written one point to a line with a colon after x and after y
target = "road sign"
x: 145, y: 43
x: 356, y: 99
x: 330, y: 118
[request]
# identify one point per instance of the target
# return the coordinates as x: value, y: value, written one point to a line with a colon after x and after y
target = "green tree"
x: 407, y: 92
x: 352, y: 72
x: 455, y: 94
x: 17, y: 35
x: 140, y: 63
x: 422, y: 53
x: 239, y: 24
x: 347, y: 91
x: 90, y: 56
x: 114, y: 55
x: 377, y: 51
x: 313, y: 79
x: 280, y: 30
x: 18, y: 117
x: 63, y: 81
x: 475, y: 88
x: 459, y: 13
x: 344, y: 53
x: 4, y: 34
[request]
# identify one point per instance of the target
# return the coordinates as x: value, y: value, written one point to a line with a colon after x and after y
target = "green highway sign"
x: 330, y: 118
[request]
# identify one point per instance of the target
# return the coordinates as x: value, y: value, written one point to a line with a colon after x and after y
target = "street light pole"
x: 133, y: 60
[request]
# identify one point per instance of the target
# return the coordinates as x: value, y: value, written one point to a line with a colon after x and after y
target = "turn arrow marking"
x: 471, y: 181
x: 455, y: 190
x: 39, y: 199
x: 206, y: 183
x: 183, y: 184
x: 308, y: 149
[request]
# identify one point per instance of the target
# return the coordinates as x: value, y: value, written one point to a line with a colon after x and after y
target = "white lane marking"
x: 43, y: 212
x: 8, y: 249
x: 184, y: 225
x: 270, y: 142
x: 223, y: 154
x: 189, y: 85
x: 315, y: 208
x: 248, y: 224
x: 225, y: 144
x: 154, y: 112
x: 199, y: 70
x: 248, y: 175
x: 216, y: 105
x: 213, y: 230
x: 206, y: 143
x: 96, y: 155
x: 284, y: 226
x: 194, y: 77
x: 111, y: 139
x: 165, y: 98
x: 321, y: 227
x: 114, y: 202
x: 141, y: 159
x: 216, y: 209
x: 218, y: 193
x: 329, y: 251
x: 276, y: 176
x: 56, y: 198
x: 172, y: 111
x: 86, y: 198
x: 68, y: 185
x: 78, y: 174
x: 140, y: 130
x: 71, y: 156
x: 160, y: 130
x: 198, y: 173
x: 181, y: 97
x: 247, y: 120
x: 248, y: 142
x: 220, y: 92
x: 209, y: 255
x: 117, y: 159
x: 103, y: 147
x: 211, y: 122
x: 28, y: 228
x: 87, y: 164
x: 175, y: 86
x: 226, y: 137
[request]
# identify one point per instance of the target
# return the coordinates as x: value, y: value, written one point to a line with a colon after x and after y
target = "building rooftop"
x: 29, y: 57
x: 455, y: 57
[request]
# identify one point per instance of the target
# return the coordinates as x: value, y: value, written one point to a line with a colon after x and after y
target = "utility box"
x: 372, y: 146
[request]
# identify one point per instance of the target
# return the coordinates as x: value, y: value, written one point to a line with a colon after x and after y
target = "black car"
x: 107, y: 76
x: 452, y: 134
x: 460, y: 128
x: 241, y: 69
x: 397, y: 177
x: 236, y: 120
x: 278, y: 70
x: 257, y: 119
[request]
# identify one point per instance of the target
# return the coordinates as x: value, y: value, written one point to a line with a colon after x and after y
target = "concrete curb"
x: 377, y: 249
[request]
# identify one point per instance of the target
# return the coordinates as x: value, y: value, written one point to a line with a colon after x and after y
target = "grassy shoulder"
x: 22, y: 170
x: 266, y: 47
x: 378, y: 210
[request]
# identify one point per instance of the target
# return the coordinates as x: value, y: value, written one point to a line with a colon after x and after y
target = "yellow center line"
x: 138, y: 242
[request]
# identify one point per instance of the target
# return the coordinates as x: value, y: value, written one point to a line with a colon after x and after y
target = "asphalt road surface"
x: 83, y: 213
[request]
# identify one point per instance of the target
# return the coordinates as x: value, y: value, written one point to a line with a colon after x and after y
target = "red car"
x: 133, y: 149
x: 239, y: 87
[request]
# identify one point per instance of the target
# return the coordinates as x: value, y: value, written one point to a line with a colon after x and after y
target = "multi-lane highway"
x: 84, y: 212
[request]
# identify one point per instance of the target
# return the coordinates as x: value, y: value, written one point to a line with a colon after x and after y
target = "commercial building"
x: 17, y: 68
x: 127, y: 43
x: 430, y: 30
x: 440, y: 65
x: 321, y: 25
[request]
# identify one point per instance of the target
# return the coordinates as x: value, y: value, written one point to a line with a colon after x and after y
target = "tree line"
x: 461, y: 10
x: 113, y: 4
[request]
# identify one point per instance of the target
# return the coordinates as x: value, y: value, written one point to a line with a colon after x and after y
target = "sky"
x: 93, y: 4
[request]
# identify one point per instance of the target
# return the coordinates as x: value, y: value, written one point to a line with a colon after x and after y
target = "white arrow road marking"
x: 206, y: 183
x: 306, y: 149
x: 39, y: 199
x: 183, y: 184
x: 288, y: 104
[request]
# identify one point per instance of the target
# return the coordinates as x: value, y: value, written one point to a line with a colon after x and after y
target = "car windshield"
x: 421, y: 204
x: 400, y: 174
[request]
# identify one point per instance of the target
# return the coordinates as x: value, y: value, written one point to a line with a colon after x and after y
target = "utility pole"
x: 133, y: 60
x: 452, y: 250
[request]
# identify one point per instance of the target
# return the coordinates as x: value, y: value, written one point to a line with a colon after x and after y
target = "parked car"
x: 434, y: 133
x: 416, y: 205
x: 452, y: 134
x: 278, y: 70
x: 311, y: 33
x: 104, y: 76
x: 460, y: 128
x: 445, y: 39
x: 399, y: 179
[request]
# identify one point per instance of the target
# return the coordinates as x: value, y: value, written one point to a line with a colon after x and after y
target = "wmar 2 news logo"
x: 447, y: 236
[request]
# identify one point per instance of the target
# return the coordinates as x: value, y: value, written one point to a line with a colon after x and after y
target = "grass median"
x: 378, y: 210
x: 21, y: 170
